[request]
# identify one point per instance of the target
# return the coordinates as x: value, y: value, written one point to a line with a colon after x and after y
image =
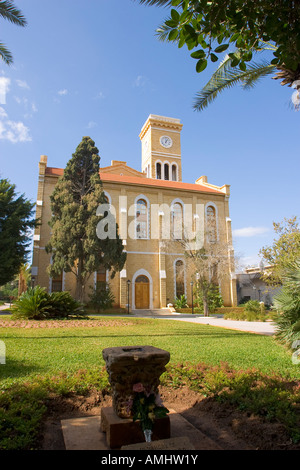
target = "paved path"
x: 263, y: 328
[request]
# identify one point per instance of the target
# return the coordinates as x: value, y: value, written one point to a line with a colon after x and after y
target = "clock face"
x: 166, y: 141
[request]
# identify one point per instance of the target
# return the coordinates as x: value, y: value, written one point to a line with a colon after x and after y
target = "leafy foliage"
x: 226, y: 76
x: 16, y: 221
x: 287, y: 304
x: 180, y: 302
x: 37, y: 304
x: 212, y: 27
x: 213, y: 297
x: 9, y: 12
x: 284, y: 251
x: 74, y: 243
x: 101, y: 298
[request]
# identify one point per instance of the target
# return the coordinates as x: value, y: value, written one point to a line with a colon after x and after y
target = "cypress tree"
x: 74, y: 243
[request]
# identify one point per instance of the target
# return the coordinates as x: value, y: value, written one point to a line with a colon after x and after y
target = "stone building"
x: 158, y: 271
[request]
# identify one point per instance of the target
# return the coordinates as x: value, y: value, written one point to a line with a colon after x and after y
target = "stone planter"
x: 130, y: 365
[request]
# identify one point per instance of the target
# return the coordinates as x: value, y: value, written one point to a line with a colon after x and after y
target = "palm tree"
x: 287, y: 304
x: 9, y: 12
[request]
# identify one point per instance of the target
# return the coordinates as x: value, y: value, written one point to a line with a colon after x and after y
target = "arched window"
x: 174, y: 173
x: 179, y: 279
x: 177, y: 221
x: 166, y: 167
x: 158, y: 171
x: 141, y: 219
x: 211, y: 224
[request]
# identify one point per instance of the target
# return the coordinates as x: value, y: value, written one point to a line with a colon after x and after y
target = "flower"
x: 146, y: 405
x: 138, y: 388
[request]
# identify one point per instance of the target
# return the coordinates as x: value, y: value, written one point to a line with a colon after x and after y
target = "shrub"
x: 37, y: 304
x: 214, y: 298
x: 251, y: 311
x: 287, y: 305
x: 181, y: 302
x: 102, y: 298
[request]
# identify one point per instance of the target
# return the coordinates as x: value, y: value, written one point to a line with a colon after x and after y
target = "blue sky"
x: 96, y: 68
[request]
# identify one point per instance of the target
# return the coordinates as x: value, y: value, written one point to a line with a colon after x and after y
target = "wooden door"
x: 142, y: 292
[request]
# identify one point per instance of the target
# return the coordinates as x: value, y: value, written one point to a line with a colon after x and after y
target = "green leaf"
x: 213, y: 57
x: 200, y: 54
x: 242, y: 66
x: 173, y: 35
x: 175, y: 15
x: 201, y: 65
x: 221, y: 48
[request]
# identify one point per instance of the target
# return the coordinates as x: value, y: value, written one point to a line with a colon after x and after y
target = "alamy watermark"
x: 296, y: 354
x: 2, y: 352
x: 152, y: 221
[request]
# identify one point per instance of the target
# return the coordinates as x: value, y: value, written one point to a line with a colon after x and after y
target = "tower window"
x: 174, y: 173
x: 166, y: 171
x: 158, y: 171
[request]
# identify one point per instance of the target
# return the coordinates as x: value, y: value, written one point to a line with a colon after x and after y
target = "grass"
x: 66, y: 357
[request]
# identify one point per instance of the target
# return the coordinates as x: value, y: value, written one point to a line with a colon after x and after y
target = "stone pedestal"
x: 121, y: 432
x: 130, y: 365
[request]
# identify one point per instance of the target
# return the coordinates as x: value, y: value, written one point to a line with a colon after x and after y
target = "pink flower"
x: 139, y: 387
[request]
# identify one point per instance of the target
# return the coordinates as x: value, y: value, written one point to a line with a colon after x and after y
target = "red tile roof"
x: 114, y: 178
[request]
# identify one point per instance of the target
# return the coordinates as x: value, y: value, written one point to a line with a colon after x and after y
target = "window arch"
x: 179, y: 276
x: 141, y: 217
x: 211, y: 223
x: 177, y: 221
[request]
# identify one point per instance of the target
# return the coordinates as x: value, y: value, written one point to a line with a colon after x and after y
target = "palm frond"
x: 9, y: 12
x: 5, y: 54
x: 227, y: 76
x: 156, y: 2
x: 162, y: 32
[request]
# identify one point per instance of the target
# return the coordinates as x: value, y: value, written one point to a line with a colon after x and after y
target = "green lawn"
x: 32, y: 351
x: 249, y: 371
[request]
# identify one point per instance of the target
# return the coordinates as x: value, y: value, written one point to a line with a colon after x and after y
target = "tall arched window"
x: 174, y: 173
x: 141, y: 219
x: 166, y: 167
x: 158, y: 171
x: 211, y: 224
x: 179, y: 278
x: 177, y: 221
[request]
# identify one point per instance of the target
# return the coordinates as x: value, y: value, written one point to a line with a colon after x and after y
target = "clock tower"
x: 161, y: 149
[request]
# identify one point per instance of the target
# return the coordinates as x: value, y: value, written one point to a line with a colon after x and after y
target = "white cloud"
x: 63, y: 92
x: 91, y: 124
x: 23, y: 84
x: 139, y: 81
x: 249, y: 231
x: 100, y: 96
x: 14, y: 131
x: 4, y: 89
x: 3, y: 113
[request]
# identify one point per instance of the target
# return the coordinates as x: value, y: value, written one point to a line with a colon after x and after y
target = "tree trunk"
x: 80, y: 283
x: 205, y: 306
